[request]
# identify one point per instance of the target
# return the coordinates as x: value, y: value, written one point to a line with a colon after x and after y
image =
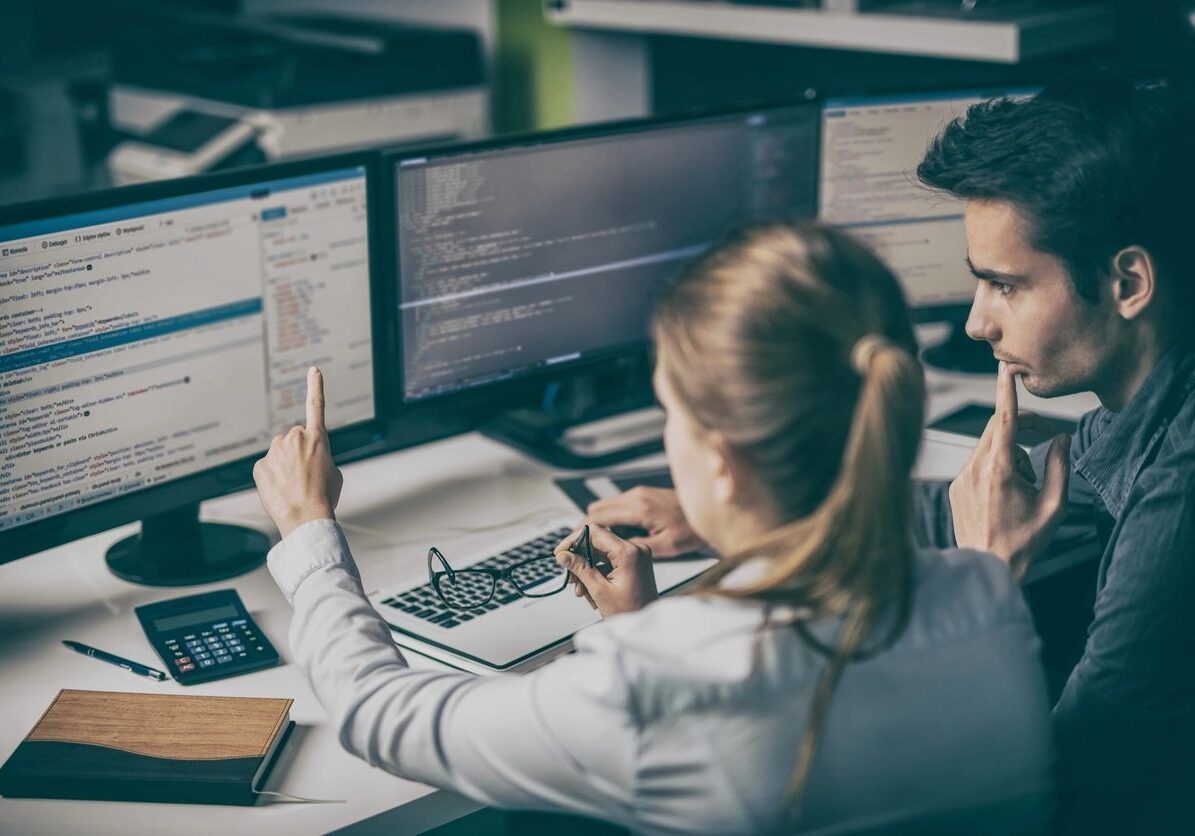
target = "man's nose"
x: 980, y: 325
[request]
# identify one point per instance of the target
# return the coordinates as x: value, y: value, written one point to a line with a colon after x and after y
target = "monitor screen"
x: 870, y: 149
x: 521, y: 256
x: 154, y: 340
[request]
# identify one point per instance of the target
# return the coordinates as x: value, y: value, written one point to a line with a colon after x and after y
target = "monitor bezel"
x: 349, y: 443
x: 482, y: 401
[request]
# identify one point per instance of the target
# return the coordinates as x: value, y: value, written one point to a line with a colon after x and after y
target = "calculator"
x: 205, y: 637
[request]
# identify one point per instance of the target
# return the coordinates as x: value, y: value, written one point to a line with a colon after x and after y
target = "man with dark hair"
x: 1078, y: 227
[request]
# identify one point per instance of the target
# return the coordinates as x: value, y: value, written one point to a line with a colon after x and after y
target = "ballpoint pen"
x: 104, y: 656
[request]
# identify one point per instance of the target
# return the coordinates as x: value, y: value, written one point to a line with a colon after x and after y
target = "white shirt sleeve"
x: 561, y: 738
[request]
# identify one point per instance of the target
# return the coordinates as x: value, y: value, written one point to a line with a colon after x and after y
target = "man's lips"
x: 1015, y: 366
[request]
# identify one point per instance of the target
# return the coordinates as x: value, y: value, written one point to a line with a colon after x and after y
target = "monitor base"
x: 176, y: 549
x: 960, y: 353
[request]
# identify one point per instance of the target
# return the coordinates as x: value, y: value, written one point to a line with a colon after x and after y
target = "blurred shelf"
x: 915, y: 28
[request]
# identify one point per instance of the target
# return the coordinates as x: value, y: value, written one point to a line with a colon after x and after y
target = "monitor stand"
x: 175, y: 549
x: 574, y: 445
x: 960, y: 353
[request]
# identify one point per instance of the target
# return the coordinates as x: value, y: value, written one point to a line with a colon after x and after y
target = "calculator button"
x: 186, y: 668
x: 190, y: 637
x: 235, y: 646
x: 182, y: 660
x: 205, y: 633
x: 203, y: 655
x: 222, y: 659
x: 206, y: 663
x: 223, y: 625
x: 240, y: 621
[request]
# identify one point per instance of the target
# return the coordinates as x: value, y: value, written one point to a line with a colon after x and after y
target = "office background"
x: 74, y: 74
x: 579, y: 61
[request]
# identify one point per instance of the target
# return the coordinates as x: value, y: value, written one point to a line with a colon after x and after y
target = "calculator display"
x: 186, y: 619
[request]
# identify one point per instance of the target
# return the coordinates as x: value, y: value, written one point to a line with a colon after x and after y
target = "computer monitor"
x: 870, y: 148
x: 156, y: 338
x: 538, y: 257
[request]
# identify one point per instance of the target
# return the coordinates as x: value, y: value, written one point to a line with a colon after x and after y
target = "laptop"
x: 512, y: 632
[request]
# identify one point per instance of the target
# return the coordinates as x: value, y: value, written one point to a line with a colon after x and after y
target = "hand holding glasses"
x: 535, y: 577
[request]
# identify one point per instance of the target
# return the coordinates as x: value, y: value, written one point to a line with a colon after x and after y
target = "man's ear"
x: 1134, y: 281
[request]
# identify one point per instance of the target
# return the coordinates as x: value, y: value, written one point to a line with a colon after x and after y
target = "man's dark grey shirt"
x: 1125, y: 722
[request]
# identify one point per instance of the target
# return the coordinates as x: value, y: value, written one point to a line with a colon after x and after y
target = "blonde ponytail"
x: 794, y: 344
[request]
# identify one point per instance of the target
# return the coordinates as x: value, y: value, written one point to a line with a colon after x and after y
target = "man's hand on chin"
x: 995, y: 504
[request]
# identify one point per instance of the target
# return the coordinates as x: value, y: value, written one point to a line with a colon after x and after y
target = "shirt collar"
x: 1125, y: 440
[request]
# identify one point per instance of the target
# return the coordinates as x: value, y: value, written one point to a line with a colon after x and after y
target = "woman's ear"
x: 1134, y: 281
x: 729, y: 474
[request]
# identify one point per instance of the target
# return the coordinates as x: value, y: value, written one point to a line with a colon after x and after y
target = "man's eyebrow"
x: 992, y: 275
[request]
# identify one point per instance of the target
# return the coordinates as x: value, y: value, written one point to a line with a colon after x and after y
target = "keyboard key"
x: 449, y: 623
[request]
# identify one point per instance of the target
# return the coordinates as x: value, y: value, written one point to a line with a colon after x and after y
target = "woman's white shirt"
x: 686, y: 716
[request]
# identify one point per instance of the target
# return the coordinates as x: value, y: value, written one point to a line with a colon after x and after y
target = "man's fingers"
x: 614, y: 510
x: 661, y: 546
x: 1024, y: 465
x: 1033, y: 421
x: 1052, y: 499
x: 315, y: 400
x: 1006, y: 407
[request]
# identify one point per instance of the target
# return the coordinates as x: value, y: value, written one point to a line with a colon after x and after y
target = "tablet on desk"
x: 583, y: 490
x: 972, y: 419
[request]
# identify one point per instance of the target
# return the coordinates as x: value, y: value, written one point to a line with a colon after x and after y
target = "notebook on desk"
x: 511, y: 632
x: 115, y: 746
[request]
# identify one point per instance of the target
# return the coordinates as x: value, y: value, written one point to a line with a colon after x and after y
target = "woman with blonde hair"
x: 825, y: 676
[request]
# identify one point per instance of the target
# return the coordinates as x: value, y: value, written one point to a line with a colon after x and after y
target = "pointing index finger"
x: 1006, y: 406
x: 315, y: 400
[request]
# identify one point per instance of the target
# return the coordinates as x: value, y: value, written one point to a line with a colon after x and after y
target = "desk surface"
x: 391, y: 508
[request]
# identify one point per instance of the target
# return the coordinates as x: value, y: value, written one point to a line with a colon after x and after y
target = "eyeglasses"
x: 536, y: 577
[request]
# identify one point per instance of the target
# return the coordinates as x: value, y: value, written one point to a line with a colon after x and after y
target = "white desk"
x: 392, y: 507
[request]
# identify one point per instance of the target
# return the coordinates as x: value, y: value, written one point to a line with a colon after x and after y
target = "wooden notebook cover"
x: 170, y: 726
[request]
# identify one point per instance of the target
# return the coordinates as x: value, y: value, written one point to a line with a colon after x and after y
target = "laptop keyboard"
x: 423, y: 602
